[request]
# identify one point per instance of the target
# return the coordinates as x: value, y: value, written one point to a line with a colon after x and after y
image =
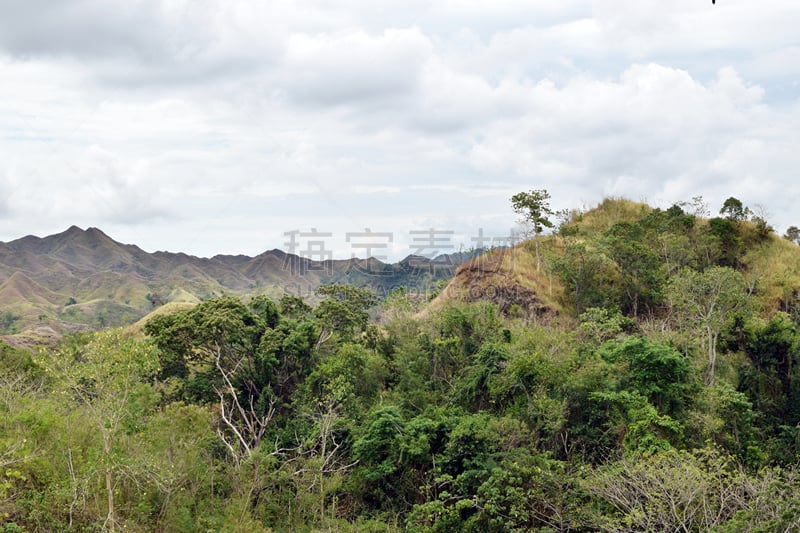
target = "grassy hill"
x: 623, y: 253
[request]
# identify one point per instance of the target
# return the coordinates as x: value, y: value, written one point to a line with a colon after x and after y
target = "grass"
x: 774, y: 270
x: 607, y: 213
x: 509, y: 278
x: 172, y: 307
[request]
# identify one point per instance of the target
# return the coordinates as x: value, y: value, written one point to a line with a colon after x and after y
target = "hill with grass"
x: 625, y: 254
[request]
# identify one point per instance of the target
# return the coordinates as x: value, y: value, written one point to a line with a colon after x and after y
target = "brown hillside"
x: 509, y: 279
x: 20, y: 288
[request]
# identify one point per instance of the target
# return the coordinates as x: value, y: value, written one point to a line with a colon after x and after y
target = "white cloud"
x: 641, y: 135
x: 242, y: 120
x: 332, y: 69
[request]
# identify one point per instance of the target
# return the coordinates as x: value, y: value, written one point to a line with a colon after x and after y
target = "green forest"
x: 627, y: 368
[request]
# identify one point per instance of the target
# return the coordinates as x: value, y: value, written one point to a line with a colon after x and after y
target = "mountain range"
x: 81, y: 279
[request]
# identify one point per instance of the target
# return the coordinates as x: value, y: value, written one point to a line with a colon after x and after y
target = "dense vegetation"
x: 659, y: 393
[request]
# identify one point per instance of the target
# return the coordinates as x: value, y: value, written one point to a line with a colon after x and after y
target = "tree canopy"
x: 534, y: 207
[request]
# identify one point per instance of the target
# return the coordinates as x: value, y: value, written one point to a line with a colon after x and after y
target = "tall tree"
x: 707, y: 301
x: 225, y: 340
x: 640, y: 268
x: 106, y: 378
x: 344, y: 311
x: 584, y: 272
x: 734, y: 210
x: 534, y: 207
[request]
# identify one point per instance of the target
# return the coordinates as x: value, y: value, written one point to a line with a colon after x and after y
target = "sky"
x: 385, y: 128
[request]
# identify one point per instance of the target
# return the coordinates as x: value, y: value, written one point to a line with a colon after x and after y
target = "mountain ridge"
x: 49, y: 281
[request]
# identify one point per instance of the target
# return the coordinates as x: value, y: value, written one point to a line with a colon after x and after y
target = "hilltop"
x: 622, y: 254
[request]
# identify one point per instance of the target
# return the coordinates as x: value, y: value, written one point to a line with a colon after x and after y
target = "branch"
x: 254, y: 425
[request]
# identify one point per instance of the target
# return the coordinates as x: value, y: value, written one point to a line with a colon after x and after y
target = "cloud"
x: 5, y: 195
x: 115, y: 191
x: 654, y: 132
x: 781, y: 62
x: 348, y: 67
x: 81, y: 28
x: 143, y: 42
x: 242, y: 120
x: 96, y: 188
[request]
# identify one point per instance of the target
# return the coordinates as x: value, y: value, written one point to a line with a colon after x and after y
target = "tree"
x: 759, y: 218
x: 534, y: 207
x: 734, y: 210
x: 584, y: 273
x: 106, y: 377
x: 526, y: 492
x: 640, y: 268
x: 669, y: 491
x: 21, y: 383
x: 699, y: 207
x: 726, y: 242
x: 771, y: 379
x: 235, y: 361
x: 344, y: 311
x: 7, y: 322
x: 656, y: 371
x: 792, y: 234
x: 177, y: 449
x: 707, y: 301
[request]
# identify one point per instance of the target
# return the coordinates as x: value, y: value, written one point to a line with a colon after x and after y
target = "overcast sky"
x: 220, y: 126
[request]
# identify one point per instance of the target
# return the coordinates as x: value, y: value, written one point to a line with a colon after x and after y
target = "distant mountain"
x: 85, y: 279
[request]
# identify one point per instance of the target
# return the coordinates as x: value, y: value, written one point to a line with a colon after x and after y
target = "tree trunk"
x: 712, y: 355
x: 324, y: 430
x: 111, y: 519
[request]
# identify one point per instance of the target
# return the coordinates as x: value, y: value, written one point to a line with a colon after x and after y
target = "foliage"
x: 600, y: 324
x: 792, y: 234
x: 107, y: 379
x: 726, y: 242
x: 639, y: 267
x: 8, y: 322
x: 659, y: 373
x: 662, y: 396
x: 344, y: 311
x: 667, y: 491
x: 734, y: 210
x: 707, y: 301
x: 585, y: 273
x: 534, y: 207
